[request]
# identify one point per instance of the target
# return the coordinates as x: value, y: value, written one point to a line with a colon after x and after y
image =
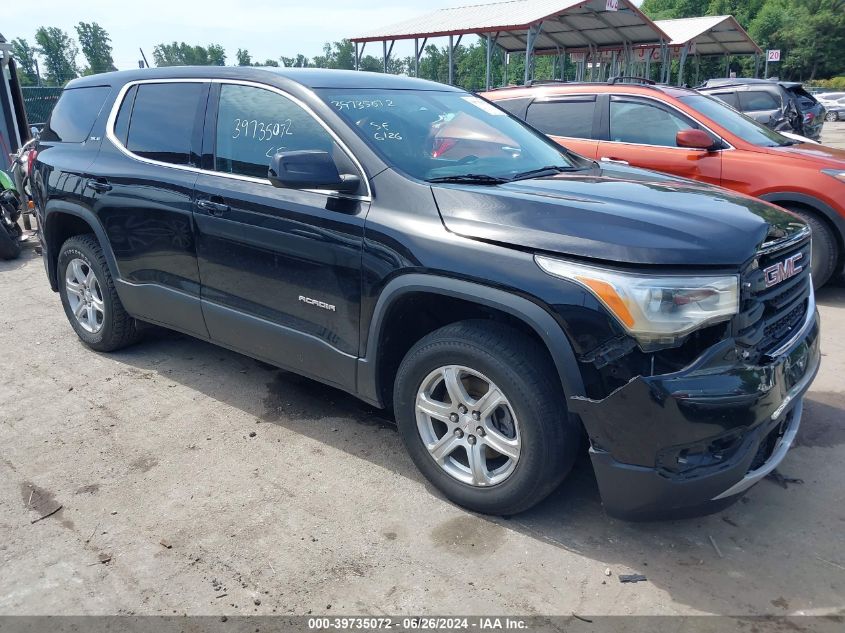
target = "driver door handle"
x: 214, y: 208
x: 615, y: 161
x: 99, y: 185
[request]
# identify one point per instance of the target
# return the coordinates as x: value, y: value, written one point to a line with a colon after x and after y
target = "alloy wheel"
x: 468, y: 426
x: 85, y: 295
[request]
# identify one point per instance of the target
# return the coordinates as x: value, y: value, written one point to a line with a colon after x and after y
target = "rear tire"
x: 89, y: 296
x: 531, y: 442
x: 825, y: 247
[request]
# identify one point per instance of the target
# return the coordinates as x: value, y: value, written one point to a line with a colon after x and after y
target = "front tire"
x: 89, y: 296
x: 482, y: 414
x: 831, y: 116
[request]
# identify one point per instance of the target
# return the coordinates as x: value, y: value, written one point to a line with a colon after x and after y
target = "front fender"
x: 521, y: 308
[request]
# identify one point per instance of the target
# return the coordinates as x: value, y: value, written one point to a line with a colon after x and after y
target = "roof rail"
x: 634, y: 80
x: 544, y: 82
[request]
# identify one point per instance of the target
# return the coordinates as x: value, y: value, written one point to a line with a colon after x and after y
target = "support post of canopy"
x: 684, y: 54
x: 531, y: 40
x: 416, y: 57
x: 357, y: 58
x: 756, y: 65
x: 451, y: 59
x: 488, y: 70
x: 727, y: 65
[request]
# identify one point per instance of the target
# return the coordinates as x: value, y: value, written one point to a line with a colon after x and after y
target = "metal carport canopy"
x: 562, y: 24
x: 710, y: 35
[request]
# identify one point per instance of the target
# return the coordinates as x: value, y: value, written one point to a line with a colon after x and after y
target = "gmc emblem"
x: 784, y: 270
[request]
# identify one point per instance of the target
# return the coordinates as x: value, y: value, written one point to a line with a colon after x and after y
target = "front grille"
x: 774, y: 304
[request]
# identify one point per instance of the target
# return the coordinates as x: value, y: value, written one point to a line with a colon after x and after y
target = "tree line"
x: 810, y: 34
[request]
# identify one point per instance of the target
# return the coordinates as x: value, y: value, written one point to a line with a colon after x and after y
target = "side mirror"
x: 309, y: 169
x: 694, y: 139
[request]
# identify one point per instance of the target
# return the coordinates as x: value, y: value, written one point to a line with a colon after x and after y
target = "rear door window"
x: 163, y: 121
x: 75, y: 114
x: 571, y: 117
x: 757, y: 100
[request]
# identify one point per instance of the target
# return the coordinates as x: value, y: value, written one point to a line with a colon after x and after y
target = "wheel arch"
x: 825, y: 212
x: 519, y: 311
x: 63, y: 221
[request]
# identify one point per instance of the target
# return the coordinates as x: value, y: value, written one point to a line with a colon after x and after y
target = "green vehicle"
x: 10, y: 211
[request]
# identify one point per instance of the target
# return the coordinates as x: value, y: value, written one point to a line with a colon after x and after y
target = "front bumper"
x: 692, y: 442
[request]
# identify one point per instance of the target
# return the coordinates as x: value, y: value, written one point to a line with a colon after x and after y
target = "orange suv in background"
x: 685, y: 133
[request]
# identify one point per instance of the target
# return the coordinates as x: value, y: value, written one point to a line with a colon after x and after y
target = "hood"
x: 826, y: 157
x: 617, y: 214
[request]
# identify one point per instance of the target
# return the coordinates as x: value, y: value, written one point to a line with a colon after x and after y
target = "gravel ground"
x: 189, y: 479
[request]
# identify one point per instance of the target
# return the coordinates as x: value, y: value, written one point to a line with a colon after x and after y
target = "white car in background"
x: 835, y: 106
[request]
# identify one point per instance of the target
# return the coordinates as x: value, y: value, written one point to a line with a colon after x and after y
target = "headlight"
x: 836, y: 173
x: 655, y: 309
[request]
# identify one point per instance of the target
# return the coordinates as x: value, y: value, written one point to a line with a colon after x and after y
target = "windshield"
x: 448, y: 135
x: 745, y: 128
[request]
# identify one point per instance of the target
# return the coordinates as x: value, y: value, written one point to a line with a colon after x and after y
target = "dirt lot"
x: 213, y: 484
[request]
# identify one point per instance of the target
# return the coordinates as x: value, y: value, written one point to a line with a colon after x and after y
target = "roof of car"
x: 308, y: 77
x: 560, y: 88
x: 743, y: 81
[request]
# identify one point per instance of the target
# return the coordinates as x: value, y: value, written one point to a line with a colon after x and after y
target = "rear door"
x: 641, y: 132
x: 142, y: 184
x: 280, y: 268
x: 570, y: 120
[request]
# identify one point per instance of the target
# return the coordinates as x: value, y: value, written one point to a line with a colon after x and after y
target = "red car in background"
x: 685, y: 133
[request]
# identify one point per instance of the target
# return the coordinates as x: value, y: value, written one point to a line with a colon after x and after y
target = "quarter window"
x: 74, y: 114
x: 253, y: 124
x: 573, y: 118
x: 644, y: 124
x: 163, y: 120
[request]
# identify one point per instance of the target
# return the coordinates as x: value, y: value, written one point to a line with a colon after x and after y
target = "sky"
x: 266, y: 28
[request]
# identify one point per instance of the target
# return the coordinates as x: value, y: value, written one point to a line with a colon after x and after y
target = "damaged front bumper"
x: 692, y: 442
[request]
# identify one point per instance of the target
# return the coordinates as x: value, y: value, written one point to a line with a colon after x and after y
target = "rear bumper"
x: 693, y: 442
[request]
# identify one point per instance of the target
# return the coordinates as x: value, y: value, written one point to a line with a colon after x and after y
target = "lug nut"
x: 462, y: 409
x: 481, y: 432
x: 453, y: 417
x: 471, y: 439
x: 476, y: 416
x: 458, y: 433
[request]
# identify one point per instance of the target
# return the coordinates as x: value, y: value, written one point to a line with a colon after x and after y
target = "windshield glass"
x: 445, y: 135
x: 745, y: 128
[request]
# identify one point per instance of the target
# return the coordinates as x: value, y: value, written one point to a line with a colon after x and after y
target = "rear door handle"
x: 615, y: 161
x: 214, y: 208
x: 99, y: 185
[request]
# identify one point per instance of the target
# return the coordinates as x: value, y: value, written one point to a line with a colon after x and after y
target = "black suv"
x: 418, y: 247
x: 782, y: 105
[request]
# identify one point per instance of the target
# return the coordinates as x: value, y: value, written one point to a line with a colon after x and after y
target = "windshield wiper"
x: 471, y: 179
x: 549, y: 169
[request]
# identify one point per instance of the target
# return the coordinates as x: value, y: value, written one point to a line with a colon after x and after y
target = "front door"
x: 642, y: 134
x: 280, y: 268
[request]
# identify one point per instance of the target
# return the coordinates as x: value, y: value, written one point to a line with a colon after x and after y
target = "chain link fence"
x: 39, y: 102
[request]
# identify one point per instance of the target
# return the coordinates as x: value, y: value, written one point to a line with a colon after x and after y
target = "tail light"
x: 808, y: 118
x: 30, y: 160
